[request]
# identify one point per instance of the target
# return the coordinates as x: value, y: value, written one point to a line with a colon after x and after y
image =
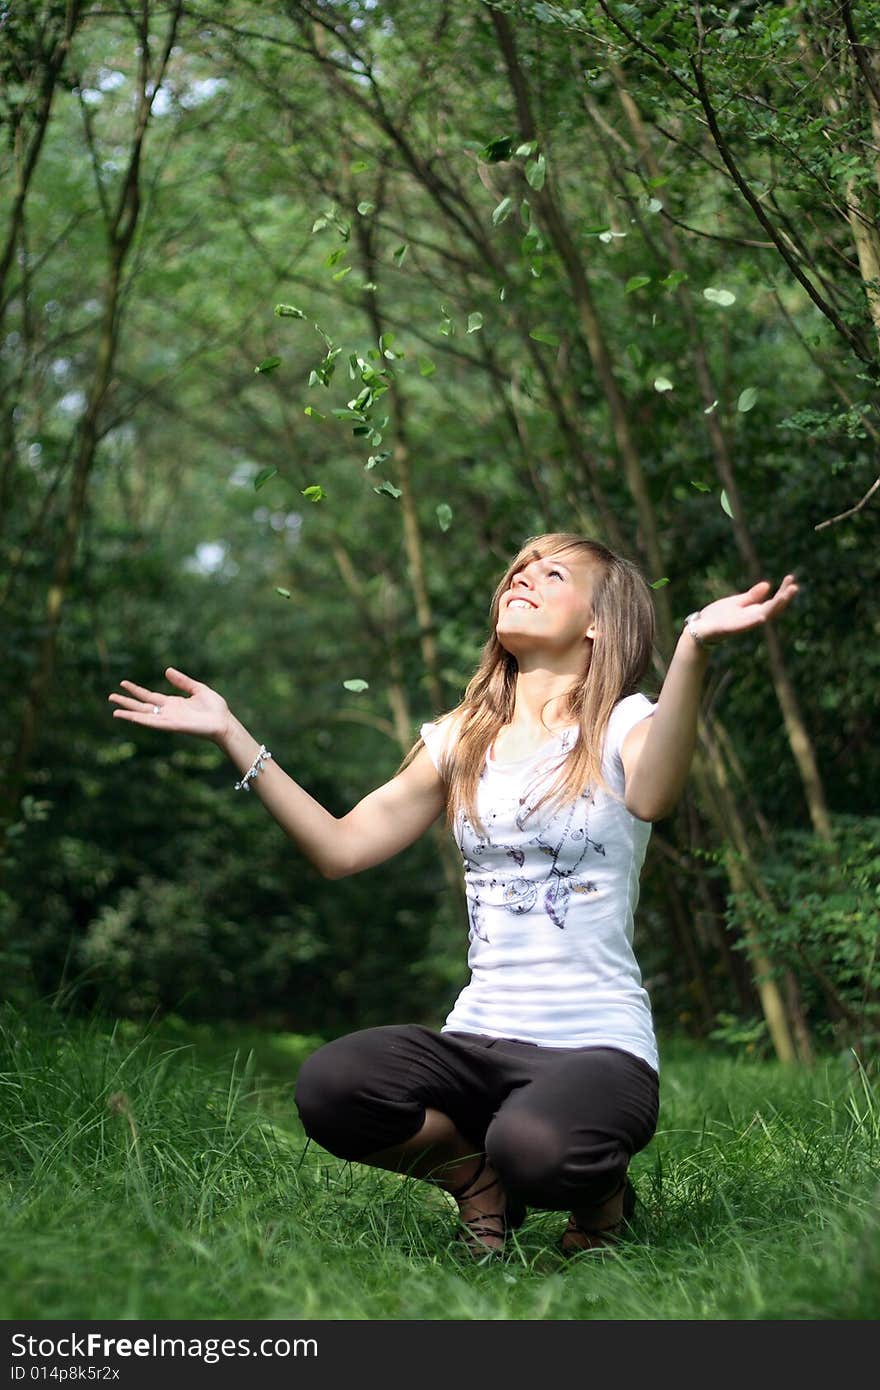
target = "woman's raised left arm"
x: 657, y: 753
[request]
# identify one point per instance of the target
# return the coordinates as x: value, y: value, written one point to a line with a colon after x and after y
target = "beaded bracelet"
x: 254, y: 770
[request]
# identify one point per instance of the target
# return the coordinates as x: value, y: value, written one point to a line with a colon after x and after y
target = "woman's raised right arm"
x: 383, y: 823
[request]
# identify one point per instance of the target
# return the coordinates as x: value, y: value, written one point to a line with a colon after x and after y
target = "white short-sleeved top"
x: 551, y: 901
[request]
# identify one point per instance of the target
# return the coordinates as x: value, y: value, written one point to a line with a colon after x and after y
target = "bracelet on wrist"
x: 690, y: 622
x: 254, y: 770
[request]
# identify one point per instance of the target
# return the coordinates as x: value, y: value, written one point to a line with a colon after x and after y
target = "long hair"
x: 623, y: 613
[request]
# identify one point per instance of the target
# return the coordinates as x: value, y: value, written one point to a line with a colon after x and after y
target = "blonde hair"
x: 623, y: 613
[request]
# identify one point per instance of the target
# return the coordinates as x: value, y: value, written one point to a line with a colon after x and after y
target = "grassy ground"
x: 167, y: 1177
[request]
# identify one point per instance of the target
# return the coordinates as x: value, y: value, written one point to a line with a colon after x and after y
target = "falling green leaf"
x: 654, y: 205
x: 356, y: 685
x: 724, y: 297
x: 315, y: 493
x: 399, y: 255
x: 658, y: 583
x: 285, y: 593
x: 341, y: 274
x: 747, y: 398
x: 335, y: 257
x: 288, y: 311
x: 263, y: 477
x: 475, y: 322
x: 545, y: 335
x: 444, y: 516
x: 674, y: 279
x: 497, y: 150
x: 636, y: 282
x: 388, y: 489
x: 701, y: 487
x: 523, y: 151
x: 268, y: 364
x: 536, y: 172
x: 725, y: 504
x: 662, y: 383
x: 376, y: 458
x: 426, y: 366
x: 366, y: 207
x: 502, y: 211
x: 710, y: 408
x: 315, y: 414
x: 359, y: 166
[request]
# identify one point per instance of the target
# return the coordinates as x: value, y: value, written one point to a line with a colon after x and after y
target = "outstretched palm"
x: 739, y: 612
x: 201, y: 711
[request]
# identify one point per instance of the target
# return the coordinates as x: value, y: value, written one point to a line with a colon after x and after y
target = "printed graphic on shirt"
x: 558, y: 851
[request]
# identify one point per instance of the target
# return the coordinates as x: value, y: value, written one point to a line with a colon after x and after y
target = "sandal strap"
x: 460, y: 1193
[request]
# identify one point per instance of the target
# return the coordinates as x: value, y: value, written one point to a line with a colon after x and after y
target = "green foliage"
x: 819, y: 915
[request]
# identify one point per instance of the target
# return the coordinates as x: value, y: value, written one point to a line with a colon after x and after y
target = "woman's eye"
x: 557, y: 573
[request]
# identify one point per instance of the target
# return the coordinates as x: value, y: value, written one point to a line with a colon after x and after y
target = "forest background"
x: 311, y: 313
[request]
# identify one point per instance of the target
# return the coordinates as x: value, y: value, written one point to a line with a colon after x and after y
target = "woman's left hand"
x: 740, y: 612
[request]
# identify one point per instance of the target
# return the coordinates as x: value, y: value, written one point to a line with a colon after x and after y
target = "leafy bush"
x: 818, y: 915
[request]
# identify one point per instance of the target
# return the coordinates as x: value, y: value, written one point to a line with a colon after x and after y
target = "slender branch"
x: 846, y: 333
x: 852, y: 510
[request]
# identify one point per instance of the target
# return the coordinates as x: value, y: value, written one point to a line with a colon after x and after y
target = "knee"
x: 548, y: 1168
x: 526, y: 1153
x: 324, y: 1089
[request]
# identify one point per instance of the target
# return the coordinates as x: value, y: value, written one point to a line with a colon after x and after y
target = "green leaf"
x: 502, y: 211
x: 747, y: 398
x: 388, y: 488
x: 376, y: 458
x: 654, y: 205
x: 366, y: 207
x: 723, y: 297
x: 497, y: 150
x: 545, y: 335
x: 658, y: 583
x: 636, y: 282
x: 662, y: 383
x: 288, y: 311
x: 399, y: 255
x: 263, y: 477
x: 725, y: 504
x: 315, y: 414
x: 701, y: 487
x: 341, y: 274
x: 359, y: 166
x: 268, y: 364
x: 444, y: 516
x: 523, y: 151
x: 475, y: 322
x: 356, y: 685
x: 285, y: 593
x: 315, y: 493
x: 536, y: 172
x: 426, y: 366
x: 674, y: 279
x: 710, y: 408
x: 335, y: 257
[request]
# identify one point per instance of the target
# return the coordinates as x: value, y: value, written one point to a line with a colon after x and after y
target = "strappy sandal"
x: 474, y: 1232
x: 602, y: 1237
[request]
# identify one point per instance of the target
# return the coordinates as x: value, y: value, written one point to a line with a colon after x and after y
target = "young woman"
x: 543, y: 1082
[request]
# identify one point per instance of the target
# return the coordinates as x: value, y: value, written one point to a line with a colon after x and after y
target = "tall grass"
x: 142, y: 1178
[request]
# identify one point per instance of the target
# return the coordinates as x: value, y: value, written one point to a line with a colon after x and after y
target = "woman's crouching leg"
x: 355, y: 1094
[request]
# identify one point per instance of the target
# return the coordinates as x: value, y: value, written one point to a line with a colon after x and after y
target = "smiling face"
x: 546, y: 607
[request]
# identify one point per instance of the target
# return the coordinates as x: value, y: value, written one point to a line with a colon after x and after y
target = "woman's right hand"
x: 201, y: 711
